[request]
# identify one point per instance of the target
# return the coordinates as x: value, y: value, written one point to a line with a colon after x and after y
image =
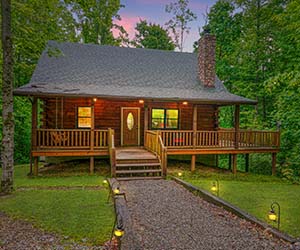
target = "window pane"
x: 84, y: 112
x: 172, y: 118
x: 84, y: 122
x: 158, y: 118
x: 130, y: 121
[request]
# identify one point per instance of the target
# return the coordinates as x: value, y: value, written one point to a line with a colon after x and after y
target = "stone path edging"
x: 235, y: 210
x: 123, y: 217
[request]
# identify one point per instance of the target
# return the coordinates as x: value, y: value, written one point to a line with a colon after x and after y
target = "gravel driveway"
x: 165, y: 216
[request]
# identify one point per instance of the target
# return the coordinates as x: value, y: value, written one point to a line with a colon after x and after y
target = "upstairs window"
x: 84, y: 117
x: 164, y: 119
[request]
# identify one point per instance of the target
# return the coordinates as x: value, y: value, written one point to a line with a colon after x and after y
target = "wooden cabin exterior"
x: 105, y: 118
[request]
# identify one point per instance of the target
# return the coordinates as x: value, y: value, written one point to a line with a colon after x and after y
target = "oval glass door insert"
x: 130, y: 121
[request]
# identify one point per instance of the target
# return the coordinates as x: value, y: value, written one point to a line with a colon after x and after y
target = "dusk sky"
x: 154, y: 11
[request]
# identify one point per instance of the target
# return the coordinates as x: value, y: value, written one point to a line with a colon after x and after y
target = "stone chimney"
x: 207, y: 59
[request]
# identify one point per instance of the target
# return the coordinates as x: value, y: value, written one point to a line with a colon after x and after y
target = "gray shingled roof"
x: 73, y: 69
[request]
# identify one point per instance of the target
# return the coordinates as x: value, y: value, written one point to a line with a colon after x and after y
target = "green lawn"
x: 79, y: 214
x: 252, y: 193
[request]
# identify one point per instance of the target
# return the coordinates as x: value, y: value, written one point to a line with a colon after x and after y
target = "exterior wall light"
x: 141, y: 101
x: 215, y: 187
x: 272, y: 213
x: 94, y: 99
x: 185, y: 103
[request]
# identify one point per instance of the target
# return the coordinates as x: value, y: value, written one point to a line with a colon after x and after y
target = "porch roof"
x: 87, y: 70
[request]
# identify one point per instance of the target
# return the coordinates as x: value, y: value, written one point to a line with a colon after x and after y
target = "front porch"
x: 159, y: 144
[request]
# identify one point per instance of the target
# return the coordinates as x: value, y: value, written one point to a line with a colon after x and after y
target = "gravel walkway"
x: 21, y: 235
x: 165, y: 216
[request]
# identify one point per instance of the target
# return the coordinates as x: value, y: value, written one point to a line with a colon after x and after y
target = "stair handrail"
x: 162, y: 155
x: 112, y: 151
x: 155, y: 144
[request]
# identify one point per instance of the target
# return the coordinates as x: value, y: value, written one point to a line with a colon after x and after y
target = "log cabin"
x: 137, y: 107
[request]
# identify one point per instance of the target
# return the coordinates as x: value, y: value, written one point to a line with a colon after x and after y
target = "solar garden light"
x: 272, y: 213
x: 116, y: 191
x: 179, y: 174
x: 119, y: 232
x: 215, y: 187
x: 105, y: 182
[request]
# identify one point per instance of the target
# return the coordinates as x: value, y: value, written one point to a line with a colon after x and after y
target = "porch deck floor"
x: 134, y: 153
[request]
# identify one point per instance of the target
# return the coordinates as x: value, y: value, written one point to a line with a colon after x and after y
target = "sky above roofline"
x: 154, y: 11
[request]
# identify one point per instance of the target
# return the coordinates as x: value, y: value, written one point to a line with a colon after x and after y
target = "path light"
x: 105, y: 182
x: 179, y: 174
x: 215, y: 187
x: 272, y: 213
x: 116, y: 190
x: 119, y: 232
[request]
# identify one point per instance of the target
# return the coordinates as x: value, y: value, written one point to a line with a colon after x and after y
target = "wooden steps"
x: 136, y: 164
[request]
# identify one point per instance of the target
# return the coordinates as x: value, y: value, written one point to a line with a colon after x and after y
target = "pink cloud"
x: 129, y: 23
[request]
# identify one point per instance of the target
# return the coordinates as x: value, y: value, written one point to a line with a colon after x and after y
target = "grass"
x: 252, y: 193
x: 68, y: 174
x: 78, y: 214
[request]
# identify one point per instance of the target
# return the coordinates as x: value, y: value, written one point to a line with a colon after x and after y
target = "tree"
x: 7, y: 155
x: 152, y: 36
x: 178, y: 24
x: 34, y: 23
x: 94, y: 20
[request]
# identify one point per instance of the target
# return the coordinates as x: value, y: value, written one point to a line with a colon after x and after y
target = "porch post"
x: 274, y: 163
x: 145, y: 123
x: 193, y: 161
x: 236, y: 125
x: 34, y: 123
x: 234, y: 161
x: 247, y: 162
x: 92, y: 161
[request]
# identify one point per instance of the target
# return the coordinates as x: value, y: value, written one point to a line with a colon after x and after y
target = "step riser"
x: 137, y: 160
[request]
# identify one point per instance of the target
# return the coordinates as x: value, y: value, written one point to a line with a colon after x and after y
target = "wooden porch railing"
x: 221, y: 139
x: 71, y: 139
x: 154, y: 143
x: 112, y: 151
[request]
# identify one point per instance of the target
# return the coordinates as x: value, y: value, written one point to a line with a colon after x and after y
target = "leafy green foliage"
x: 258, y: 56
x: 152, y: 36
x: 95, y: 20
x: 286, y: 88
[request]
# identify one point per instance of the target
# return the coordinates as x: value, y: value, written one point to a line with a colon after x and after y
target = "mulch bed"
x: 166, y: 216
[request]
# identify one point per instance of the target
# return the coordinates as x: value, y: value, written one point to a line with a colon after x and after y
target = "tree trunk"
x: 7, y: 101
